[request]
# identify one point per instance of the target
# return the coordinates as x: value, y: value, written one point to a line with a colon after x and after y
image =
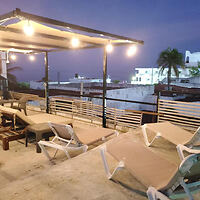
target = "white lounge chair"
x: 161, y: 177
x: 66, y: 138
x: 172, y: 133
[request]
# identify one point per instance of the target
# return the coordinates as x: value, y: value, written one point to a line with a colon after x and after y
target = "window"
x: 136, y: 78
x: 187, y: 59
x: 139, y: 78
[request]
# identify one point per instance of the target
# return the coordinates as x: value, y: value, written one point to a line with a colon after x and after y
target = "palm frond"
x: 12, y: 69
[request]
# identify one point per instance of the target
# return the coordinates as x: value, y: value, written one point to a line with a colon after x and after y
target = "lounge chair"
x: 161, y: 177
x: 68, y: 138
x: 22, y: 100
x: 172, y: 133
x: 36, y: 124
x: 18, y: 117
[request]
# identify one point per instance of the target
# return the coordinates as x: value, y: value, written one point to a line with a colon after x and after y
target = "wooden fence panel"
x: 88, y: 110
x: 184, y: 114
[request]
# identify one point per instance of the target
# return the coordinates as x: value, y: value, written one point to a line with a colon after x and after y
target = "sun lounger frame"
x: 152, y: 193
x: 69, y: 143
x: 194, y: 138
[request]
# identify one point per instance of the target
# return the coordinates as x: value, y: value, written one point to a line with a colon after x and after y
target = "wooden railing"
x: 93, y: 112
x: 184, y: 114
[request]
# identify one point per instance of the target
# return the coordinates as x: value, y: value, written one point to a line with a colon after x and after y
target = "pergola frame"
x: 22, y: 45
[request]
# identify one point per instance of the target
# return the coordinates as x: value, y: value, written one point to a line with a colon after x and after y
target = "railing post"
x: 46, y: 81
x: 104, y: 87
x: 72, y: 109
x: 115, y: 118
x: 157, y: 102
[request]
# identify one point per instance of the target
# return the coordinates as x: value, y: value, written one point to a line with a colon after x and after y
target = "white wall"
x: 37, y: 85
x: 147, y: 76
x: 194, y: 58
x: 137, y: 93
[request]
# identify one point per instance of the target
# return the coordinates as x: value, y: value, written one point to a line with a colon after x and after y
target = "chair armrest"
x: 181, y: 148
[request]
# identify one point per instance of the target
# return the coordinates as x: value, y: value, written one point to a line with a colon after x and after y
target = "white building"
x: 149, y: 76
x: 82, y: 79
x: 146, y: 76
x: 192, y: 59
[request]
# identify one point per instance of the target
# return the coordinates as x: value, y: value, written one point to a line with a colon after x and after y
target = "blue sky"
x: 161, y: 24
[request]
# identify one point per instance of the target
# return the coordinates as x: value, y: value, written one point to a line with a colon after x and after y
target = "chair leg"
x: 67, y: 154
x: 45, y: 151
x: 105, y: 163
x: 154, y: 194
x: 187, y: 191
x: 85, y: 148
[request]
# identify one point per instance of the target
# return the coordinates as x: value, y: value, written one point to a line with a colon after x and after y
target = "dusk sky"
x: 160, y: 23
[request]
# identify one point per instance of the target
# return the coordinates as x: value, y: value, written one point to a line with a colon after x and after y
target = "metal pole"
x: 81, y: 90
x: 46, y: 81
x: 104, y: 87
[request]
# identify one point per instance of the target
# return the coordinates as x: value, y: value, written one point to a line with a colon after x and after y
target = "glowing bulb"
x: 75, y: 42
x: 28, y: 29
x: 13, y: 57
x: 109, y: 48
x: 132, y: 50
x: 32, y: 58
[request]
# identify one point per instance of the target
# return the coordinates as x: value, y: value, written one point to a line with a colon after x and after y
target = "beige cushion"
x: 146, y: 166
x: 45, y: 117
x: 17, y: 113
x: 91, y: 134
x: 63, y: 131
x: 171, y: 132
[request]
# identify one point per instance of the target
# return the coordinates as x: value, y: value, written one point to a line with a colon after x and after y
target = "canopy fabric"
x: 45, y: 38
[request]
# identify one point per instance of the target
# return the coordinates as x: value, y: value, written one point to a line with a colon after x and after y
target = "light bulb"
x: 75, y: 42
x: 109, y: 48
x: 32, y: 58
x: 13, y: 57
x: 28, y: 29
x: 131, y: 50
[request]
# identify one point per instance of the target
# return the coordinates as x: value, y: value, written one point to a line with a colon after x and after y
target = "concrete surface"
x: 25, y: 174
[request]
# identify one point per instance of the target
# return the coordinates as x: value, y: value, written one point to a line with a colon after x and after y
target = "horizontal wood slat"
x: 184, y: 114
x: 86, y: 109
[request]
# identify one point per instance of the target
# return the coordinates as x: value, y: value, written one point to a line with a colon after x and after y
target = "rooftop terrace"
x: 25, y: 174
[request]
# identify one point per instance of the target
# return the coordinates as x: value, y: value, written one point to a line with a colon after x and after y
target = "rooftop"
x: 27, y: 174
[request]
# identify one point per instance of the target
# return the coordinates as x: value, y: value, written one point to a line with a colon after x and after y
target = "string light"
x: 28, y: 29
x: 131, y: 50
x: 109, y: 48
x: 13, y: 57
x: 75, y: 42
x: 31, y: 58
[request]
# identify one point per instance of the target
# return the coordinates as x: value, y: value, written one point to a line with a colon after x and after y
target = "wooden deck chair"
x: 162, y: 179
x: 74, y: 138
x: 18, y: 117
x: 172, y: 133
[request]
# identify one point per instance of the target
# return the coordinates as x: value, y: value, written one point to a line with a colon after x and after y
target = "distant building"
x: 150, y: 76
x: 82, y: 79
x: 192, y: 59
x: 146, y: 76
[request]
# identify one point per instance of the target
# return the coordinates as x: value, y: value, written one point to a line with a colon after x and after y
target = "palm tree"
x: 170, y: 58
